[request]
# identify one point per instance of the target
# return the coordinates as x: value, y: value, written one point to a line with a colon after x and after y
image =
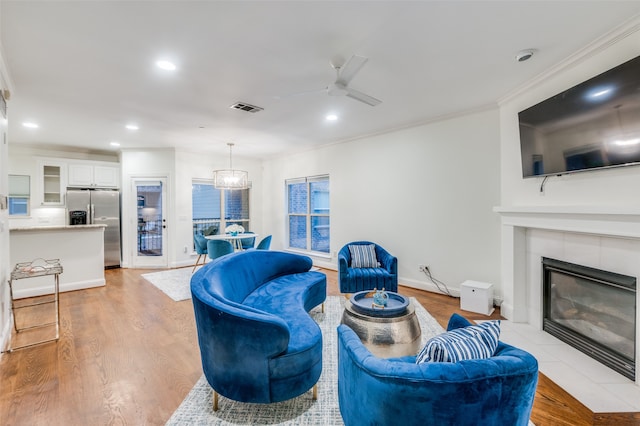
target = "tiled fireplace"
x: 598, y: 238
x: 593, y: 311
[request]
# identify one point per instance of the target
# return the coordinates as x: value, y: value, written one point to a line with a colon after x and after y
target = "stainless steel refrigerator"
x: 98, y: 206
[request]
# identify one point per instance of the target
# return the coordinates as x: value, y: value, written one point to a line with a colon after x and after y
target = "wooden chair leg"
x: 323, y: 307
x: 315, y: 392
x: 196, y: 265
x: 215, y: 401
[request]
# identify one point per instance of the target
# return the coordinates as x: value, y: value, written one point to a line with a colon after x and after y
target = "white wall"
x: 424, y: 193
x: 5, y: 268
x: 613, y: 187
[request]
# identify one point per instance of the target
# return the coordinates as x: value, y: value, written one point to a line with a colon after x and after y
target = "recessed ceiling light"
x: 524, y: 55
x: 114, y: 143
x: 30, y: 125
x: 132, y: 126
x: 331, y: 117
x: 166, y: 65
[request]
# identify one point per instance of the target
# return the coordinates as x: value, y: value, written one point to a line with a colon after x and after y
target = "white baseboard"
x: 506, y: 310
x: 183, y: 263
x: 5, y: 337
x: 428, y: 286
x: 40, y: 291
x: 324, y: 264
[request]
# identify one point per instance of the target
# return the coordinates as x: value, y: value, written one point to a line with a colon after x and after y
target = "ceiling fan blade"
x: 362, y: 97
x: 350, y: 69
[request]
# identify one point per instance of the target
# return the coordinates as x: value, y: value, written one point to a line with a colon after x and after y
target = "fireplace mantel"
x: 604, y: 221
x: 598, y: 220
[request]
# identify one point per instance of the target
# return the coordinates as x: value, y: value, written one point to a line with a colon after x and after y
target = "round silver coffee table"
x: 385, y: 337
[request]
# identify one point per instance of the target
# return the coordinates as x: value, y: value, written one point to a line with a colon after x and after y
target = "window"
x: 236, y: 207
x: 308, y: 213
x: 213, y: 212
x: 19, y: 195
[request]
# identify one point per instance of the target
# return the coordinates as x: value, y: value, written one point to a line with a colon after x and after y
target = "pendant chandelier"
x: 230, y: 178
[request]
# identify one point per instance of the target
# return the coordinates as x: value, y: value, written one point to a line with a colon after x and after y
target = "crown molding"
x: 624, y: 30
x: 6, y: 83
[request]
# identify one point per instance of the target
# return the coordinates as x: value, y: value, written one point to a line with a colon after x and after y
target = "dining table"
x: 234, y: 239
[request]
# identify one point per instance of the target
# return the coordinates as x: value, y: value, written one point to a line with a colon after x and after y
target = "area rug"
x: 175, y: 283
x: 197, y: 408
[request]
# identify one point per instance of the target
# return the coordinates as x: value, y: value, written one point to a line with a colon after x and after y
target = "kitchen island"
x: 80, y: 249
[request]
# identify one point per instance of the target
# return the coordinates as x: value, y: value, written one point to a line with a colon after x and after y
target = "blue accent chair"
x: 397, y: 391
x: 200, y: 243
x: 265, y: 243
x: 218, y: 248
x: 257, y: 341
x: 352, y: 280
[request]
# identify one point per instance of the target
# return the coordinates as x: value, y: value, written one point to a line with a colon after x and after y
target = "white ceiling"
x: 84, y: 69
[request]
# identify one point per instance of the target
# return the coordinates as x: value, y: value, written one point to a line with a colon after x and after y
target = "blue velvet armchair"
x: 397, y: 391
x: 352, y: 279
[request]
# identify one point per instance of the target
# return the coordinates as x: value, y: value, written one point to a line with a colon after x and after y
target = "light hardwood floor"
x: 128, y: 355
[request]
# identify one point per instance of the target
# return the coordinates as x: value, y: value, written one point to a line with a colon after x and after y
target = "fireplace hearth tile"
x: 627, y: 392
x: 596, y: 386
x: 582, y: 362
x: 594, y: 396
x: 540, y: 352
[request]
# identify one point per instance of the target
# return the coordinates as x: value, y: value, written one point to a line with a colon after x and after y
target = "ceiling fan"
x: 344, y: 74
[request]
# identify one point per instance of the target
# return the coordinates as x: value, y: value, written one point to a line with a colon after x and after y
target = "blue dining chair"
x: 248, y: 242
x: 265, y: 243
x: 218, y: 248
x: 200, y: 243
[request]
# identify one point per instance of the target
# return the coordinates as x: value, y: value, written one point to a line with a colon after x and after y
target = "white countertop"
x: 57, y: 227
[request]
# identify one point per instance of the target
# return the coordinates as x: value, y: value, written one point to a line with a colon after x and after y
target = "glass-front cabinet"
x: 52, y: 182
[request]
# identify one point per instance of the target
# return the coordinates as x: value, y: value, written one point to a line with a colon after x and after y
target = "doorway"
x: 151, y: 235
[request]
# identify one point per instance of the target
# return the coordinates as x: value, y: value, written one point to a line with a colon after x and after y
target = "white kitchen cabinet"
x: 51, y: 182
x: 106, y: 176
x: 93, y: 176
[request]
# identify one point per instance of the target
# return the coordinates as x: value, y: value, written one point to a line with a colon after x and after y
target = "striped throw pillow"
x: 363, y: 256
x: 472, y: 342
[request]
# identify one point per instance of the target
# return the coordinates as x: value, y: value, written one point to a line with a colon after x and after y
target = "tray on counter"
x: 36, y: 268
x: 363, y: 303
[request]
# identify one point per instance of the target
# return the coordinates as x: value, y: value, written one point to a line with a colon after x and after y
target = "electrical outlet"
x: 186, y: 249
x: 423, y: 268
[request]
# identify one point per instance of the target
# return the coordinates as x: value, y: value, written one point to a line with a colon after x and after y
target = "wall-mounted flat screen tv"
x: 593, y: 125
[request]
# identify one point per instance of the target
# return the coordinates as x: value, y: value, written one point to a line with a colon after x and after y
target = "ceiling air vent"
x: 246, y: 107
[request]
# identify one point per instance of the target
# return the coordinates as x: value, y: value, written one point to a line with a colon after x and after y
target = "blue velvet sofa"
x: 397, y: 391
x: 352, y: 280
x: 257, y: 341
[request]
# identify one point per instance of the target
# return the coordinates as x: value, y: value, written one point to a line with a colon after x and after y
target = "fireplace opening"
x: 592, y: 310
